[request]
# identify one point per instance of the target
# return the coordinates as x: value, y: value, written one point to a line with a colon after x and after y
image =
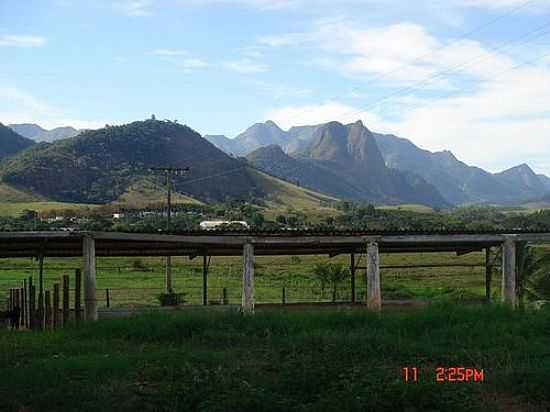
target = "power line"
x: 451, y: 70
x: 455, y: 41
x: 433, y: 52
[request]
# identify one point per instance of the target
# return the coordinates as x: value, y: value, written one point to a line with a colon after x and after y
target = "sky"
x: 470, y: 76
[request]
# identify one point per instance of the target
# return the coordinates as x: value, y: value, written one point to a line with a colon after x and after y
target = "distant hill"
x: 344, y: 161
x: 39, y: 134
x: 11, y: 142
x: 105, y: 165
x: 458, y: 182
x: 229, y: 146
x: 523, y: 179
x: 545, y: 180
x: 305, y: 172
x: 265, y: 134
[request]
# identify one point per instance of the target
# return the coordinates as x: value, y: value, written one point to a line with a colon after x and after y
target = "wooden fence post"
x: 32, y: 306
x: 24, y: 304
x: 108, y: 298
x: 284, y: 296
x: 65, y: 300
x: 22, y: 307
x: 55, y: 305
x: 17, y: 304
x: 10, y: 300
x: 48, y: 309
x: 224, y: 296
x: 77, y: 294
x: 29, y: 309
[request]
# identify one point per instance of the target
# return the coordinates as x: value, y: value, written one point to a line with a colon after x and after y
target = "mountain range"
x: 457, y: 182
x: 329, y: 160
x: 11, y: 142
x: 347, y: 156
x: 102, y: 166
x: 38, y: 134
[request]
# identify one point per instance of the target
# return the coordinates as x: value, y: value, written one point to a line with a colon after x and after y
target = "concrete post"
x: 488, y: 274
x: 352, y: 270
x: 374, y: 294
x: 248, y: 279
x: 89, y: 263
x: 509, y: 271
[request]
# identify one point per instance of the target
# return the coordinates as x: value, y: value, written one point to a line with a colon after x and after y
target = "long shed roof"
x: 215, y: 243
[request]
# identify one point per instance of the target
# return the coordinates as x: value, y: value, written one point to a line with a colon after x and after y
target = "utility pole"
x: 168, y: 172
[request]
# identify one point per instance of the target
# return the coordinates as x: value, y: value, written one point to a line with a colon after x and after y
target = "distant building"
x: 214, y: 224
x: 118, y: 215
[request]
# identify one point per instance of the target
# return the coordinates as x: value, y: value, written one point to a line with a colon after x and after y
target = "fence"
x: 46, y: 309
x: 284, y: 283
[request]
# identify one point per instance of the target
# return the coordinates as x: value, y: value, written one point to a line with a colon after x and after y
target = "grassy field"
x: 286, y: 197
x: 337, y: 361
x: 130, y: 284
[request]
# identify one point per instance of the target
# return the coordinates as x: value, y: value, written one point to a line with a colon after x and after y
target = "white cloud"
x: 512, y: 5
x: 278, y: 91
x: 169, y: 52
x: 192, y: 64
x: 290, y: 116
x: 501, y: 123
x: 245, y: 66
x: 18, y: 106
x: 15, y: 40
x: 135, y: 8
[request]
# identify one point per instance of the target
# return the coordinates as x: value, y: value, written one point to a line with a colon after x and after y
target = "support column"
x: 248, y: 279
x: 509, y: 271
x: 488, y: 274
x: 352, y: 270
x: 204, y: 280
x: 89, y: 263
x: 374, y: 294
x: 168, y: 276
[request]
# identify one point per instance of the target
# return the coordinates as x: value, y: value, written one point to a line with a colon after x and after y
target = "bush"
x: 171, y: 299
x: 139, y: 266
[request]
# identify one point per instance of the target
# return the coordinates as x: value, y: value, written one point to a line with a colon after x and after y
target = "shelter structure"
x: 248, y: 244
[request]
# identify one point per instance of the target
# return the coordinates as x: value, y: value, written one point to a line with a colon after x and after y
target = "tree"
x: 28, y: 214
x: 533, y: 273
x: 281, y: 219
x: 258, y: 220
x: 331, y: 274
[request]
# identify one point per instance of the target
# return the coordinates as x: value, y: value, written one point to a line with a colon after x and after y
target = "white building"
x: 213, y: 224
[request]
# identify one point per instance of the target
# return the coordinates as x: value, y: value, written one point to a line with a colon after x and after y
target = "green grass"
x: 339, y: 361
x: 146, y: 192
x: 15, y: 208
x: 129, y: 286
x: 409, y: 208
x: 285, y: 195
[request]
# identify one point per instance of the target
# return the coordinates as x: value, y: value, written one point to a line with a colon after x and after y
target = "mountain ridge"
x: 458, y: 182
x: 11, y: 142
x: 39, y: 134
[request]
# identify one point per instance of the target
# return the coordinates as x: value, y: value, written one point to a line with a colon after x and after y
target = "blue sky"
x: 471, y: 76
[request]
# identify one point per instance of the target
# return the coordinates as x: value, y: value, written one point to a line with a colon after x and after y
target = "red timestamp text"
x: 446, y: 374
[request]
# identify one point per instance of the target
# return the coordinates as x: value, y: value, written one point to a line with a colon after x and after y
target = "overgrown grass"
x: 340, y: 361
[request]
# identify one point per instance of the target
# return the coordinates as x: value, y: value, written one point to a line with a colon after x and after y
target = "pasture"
x: 138, y: 281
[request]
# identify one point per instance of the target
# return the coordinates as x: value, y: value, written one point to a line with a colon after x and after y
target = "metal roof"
x: 229, y: 243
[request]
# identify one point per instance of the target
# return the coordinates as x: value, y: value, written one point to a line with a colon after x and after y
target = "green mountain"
x: 11, y: 142
x: 101, y: 165
x: 344, y: 161
x: 305, y: 172
x: 39, y: 134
